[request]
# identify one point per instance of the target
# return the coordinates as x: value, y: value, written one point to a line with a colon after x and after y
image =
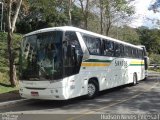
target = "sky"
x: 143, y: 16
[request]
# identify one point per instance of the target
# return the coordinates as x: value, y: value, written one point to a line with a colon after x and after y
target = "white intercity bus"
x: 61, y: 63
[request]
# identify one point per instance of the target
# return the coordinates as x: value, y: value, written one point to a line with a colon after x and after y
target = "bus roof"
x: 70, y: 28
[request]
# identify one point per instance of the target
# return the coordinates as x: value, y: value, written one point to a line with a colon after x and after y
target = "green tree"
x: 49, y: 13
x: 130, y: 35
x: 154, y: 58
x: 114, y: 11
x: 125, y: 33
x: 150, y: 38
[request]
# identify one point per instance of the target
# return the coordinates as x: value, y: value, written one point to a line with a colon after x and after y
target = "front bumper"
x: 46, y: 94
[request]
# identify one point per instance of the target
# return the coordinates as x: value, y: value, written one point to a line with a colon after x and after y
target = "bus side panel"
x: 136, y: 66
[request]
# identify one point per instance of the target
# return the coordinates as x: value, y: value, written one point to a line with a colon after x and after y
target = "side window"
x: 137, y: 56
x: 126, y: 53
x: 93, y: 44
x: 133, y: 52
x: 130, y: 52
x: 142, y: 53
x: 138, y: 53
x: 108, y: 48
x: 117, y: 50
x: 121, y: 50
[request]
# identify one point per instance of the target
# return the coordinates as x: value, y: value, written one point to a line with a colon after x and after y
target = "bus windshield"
x: 41, y: 56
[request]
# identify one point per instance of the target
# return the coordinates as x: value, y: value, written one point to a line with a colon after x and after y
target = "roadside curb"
x: 14, y: 102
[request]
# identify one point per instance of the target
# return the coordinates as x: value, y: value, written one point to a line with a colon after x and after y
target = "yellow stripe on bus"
x: 137, y: 62
x: 93, y: 64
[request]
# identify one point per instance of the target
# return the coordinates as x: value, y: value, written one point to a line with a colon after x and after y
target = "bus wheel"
x: 92, y: 89
x: 134, y: 79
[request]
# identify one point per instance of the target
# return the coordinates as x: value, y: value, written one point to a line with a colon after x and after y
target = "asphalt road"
x: 142, y: 99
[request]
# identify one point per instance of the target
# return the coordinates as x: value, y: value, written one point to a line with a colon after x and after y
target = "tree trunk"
x: 86, y: 14
x: 86, y: 23
x: 69, y: 12
x: 11, y: 60
x: 11, y: 20
x: 108, y: 28
x: 85, y: 11
x: 101, y: 12
x: 108, y: 25
x: 107, y: 31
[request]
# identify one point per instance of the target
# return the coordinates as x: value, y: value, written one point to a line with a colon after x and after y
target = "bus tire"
x: 134, y: 79
x: 92, y: 89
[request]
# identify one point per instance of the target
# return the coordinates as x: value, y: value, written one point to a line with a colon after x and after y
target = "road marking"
x: 113, y: 104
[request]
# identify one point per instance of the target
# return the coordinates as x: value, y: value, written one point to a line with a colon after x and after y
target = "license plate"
x: 34, y: 93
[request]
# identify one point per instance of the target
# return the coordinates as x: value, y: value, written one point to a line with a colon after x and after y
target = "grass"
x: 4, y: 89
x: 5, y: 84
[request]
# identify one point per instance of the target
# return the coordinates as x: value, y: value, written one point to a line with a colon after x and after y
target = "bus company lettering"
x: 121, y: 63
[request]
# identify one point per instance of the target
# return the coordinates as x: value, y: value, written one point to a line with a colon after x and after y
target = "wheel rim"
x: 91, y: 89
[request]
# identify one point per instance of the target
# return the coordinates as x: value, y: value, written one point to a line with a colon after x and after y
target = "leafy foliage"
x: 3, y: 50
x: 4, y: 55
x: 150, y: 38
x: 154, y: 58
x: 115, y: 11
x: 48, y: 13
x: 126, y: 34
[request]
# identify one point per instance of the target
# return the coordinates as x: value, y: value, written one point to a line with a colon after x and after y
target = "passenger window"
x: 126, y: 51
x: 93, y: 44
x: 117, y: 50
x: 134, y: 53
x: 108, y: 48
x: 142, y: 54
x: 121, y: 50
x: 130, y: 52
